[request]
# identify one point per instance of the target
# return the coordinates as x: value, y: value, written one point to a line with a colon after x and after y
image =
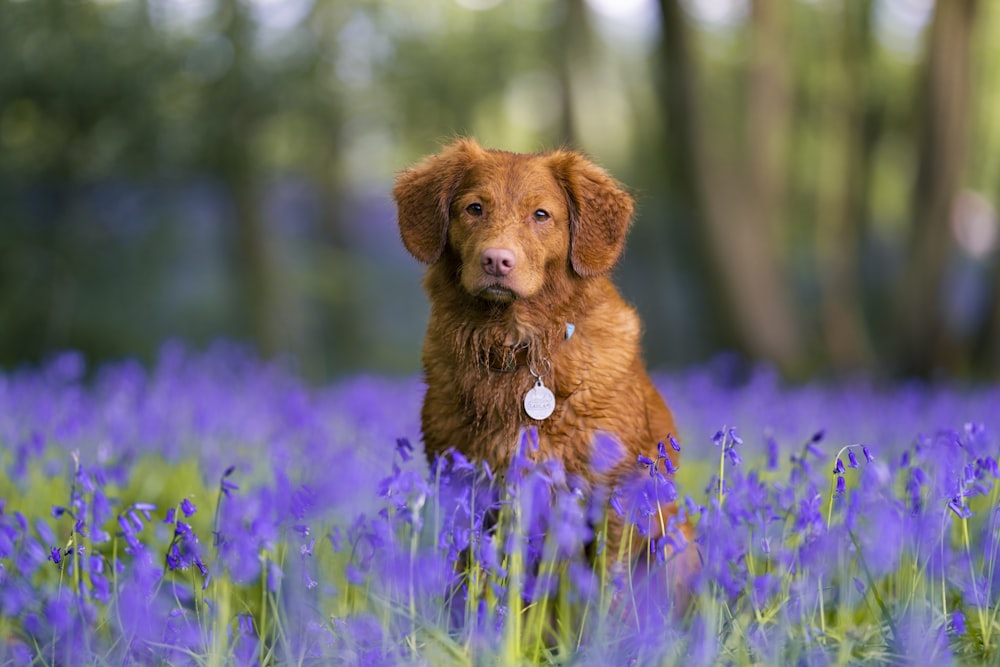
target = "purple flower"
x: 734, y: 457
x: 274, y: 576
x: 354, y: 575
x: 336, y: 538
x: 225, y: 486
x: 145, y: 508
x: 404, y: 449
x: 867, y: 453
x: 55, y: 555
x: 188, y: 508
x: 958, y: 622
x: 772, y: 453
x: 852, y: 459
x: 606, y: 453
x: 960, y: 509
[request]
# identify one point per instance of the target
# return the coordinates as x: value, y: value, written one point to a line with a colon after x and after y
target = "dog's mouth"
x: 497, y: 293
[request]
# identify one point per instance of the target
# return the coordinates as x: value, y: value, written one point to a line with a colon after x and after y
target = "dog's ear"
x: 423, y: 197
x: 600, y: 213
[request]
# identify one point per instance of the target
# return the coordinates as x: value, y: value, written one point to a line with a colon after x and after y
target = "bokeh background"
x: 817, y: 179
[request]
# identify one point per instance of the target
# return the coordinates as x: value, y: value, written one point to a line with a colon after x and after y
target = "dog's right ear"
x: 423, y: 197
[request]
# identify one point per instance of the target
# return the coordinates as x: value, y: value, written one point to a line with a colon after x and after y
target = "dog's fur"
x: 518, y: 246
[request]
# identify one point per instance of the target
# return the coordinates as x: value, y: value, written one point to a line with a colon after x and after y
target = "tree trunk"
x: 843, y: 171
x: 573, y: 47
x: 675, y: 87
x: 738, y: 201
x: 943, y: 129
x: 253, y: 264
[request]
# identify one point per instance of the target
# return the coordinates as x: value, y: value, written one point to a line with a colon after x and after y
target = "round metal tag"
x: 539, y: 402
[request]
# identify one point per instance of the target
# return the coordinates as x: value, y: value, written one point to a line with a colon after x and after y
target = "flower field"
x: 213, y: 509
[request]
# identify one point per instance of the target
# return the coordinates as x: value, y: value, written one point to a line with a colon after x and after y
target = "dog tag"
x: 539, y: 402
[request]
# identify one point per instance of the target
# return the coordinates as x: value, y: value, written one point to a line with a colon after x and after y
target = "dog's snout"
x: 498, y: 261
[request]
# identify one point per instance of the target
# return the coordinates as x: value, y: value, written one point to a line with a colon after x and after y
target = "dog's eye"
x: 541, y: 215
x: 475, y: 209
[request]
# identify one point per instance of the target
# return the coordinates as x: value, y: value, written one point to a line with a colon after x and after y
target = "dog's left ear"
x: 600, y: 213
x: 423, y: 197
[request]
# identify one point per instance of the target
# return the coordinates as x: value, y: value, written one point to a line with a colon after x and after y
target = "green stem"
x: 262, y: 625
x: 722, y: 467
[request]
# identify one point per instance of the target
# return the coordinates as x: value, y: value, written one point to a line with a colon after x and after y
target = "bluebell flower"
x: 354, y: 575
x: 958, y: 622
x: 55, y: 555
x: 336, y: 538
x: 809, y: 517
x: 734, y: 457
x: 960, y: 509
x: 772, y: 453
x: 765, y: 588
x: 274, y: 576
x: 404, y: 449
x: 225, y: 486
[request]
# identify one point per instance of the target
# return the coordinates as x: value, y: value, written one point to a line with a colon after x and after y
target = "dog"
x: 526, y: 328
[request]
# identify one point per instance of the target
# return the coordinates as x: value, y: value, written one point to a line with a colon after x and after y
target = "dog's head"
x: 510, y: 218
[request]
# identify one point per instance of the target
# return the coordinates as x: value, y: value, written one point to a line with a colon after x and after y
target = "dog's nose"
x: 498, y: 261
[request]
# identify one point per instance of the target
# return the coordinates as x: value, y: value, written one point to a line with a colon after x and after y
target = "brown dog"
x: 526, y: 328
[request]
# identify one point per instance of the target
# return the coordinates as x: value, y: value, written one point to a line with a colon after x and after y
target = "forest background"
x: 817, y: 180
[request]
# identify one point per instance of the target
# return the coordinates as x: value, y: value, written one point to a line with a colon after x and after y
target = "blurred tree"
x: 945, y: 115
x: 737, y: 194
x: 986, y: 347
x: 76, y: 90
x: 841, y: 175
x: 676, y: 86
x: 220, y: 168
x: 261, y: 99
x: 574, y: 39
x: 455, y: 71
